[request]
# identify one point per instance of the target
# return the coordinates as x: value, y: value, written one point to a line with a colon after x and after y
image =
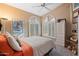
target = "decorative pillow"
x: 18, y: 40
x: 12, y: 42
x: 21, y: 35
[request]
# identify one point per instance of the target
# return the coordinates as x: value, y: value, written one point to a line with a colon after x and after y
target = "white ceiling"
x: 30, y: 7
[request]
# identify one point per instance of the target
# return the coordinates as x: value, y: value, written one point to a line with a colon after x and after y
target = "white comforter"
x: 40, y: 45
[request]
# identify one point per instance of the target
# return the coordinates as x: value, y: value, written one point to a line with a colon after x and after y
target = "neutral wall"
x: 12, y: 13
x: 63, y: 11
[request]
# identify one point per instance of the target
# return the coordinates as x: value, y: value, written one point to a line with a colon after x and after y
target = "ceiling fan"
x: 44, y: 5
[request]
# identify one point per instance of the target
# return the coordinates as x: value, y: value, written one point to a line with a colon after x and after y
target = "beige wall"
x: 12, y: 13
x: 63, y: 11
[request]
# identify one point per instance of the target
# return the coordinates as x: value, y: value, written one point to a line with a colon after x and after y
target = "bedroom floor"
x: 60, y: 51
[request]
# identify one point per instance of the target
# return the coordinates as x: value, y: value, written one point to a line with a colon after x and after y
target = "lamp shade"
x: 3, y: 19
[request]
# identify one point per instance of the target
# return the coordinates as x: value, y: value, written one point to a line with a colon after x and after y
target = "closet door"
x: 60, y: 35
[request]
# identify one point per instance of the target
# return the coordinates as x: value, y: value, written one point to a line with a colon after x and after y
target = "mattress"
x: 40, y: 45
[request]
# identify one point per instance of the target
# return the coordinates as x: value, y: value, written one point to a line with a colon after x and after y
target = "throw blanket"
x: 26, y: 49
x: 5, y: 48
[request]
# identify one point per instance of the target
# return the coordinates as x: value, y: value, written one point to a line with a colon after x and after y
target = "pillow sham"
x: 18, y: 40
x: 12, y: 42
x: 21, y: 35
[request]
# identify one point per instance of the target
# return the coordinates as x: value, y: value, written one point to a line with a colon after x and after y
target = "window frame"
x: 35, y: 21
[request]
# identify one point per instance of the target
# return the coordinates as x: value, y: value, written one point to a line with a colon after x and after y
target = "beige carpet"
x: 60, y: 51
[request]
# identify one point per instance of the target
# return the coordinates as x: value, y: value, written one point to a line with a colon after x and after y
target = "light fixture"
x: 2, y: 19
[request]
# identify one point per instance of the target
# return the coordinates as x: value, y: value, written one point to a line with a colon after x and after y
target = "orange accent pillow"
x: 4, y: 46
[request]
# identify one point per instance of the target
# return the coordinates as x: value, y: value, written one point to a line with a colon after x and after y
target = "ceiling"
x: 30, y: 7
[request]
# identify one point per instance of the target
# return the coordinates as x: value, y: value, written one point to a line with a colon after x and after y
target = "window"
x: 34, y: 26
x: 52, y: 27
x: 46, y: 27
x: 49, y: 26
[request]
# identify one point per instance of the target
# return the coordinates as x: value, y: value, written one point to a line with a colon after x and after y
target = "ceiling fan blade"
x: 36, y: 6
x: 47, y: 4
x: 47, y: 8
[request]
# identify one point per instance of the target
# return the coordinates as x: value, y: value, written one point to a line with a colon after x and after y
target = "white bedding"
x: 40, y: 45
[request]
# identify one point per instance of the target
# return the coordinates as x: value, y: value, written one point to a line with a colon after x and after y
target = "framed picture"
x: 17, y: 27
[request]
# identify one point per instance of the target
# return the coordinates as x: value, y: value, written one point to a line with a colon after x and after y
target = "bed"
x: 30, y: 46
x: 40, y: 45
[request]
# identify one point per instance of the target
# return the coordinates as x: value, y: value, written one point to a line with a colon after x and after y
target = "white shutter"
x: 34, y: 26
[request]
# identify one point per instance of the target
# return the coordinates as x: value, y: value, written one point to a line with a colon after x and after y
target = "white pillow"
x: 13, y: 43
x: 21, y: 35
